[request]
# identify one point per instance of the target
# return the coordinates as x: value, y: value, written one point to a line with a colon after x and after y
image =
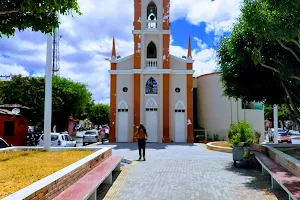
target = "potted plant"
x: 240, y: 134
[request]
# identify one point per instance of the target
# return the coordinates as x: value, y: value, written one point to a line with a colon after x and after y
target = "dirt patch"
x: 19, y: 169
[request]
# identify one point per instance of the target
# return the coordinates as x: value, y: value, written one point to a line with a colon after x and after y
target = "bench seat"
x: 86, y: 187
x: 288, y: 181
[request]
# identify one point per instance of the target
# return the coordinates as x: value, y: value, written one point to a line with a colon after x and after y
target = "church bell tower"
x: 151, y: 55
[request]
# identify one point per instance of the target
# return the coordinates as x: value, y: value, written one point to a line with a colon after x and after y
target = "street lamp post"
x: 48, y: 95
x: 275, y: 124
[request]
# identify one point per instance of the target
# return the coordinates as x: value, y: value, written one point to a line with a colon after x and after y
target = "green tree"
x: 99, y: 114
x: 40, y: 15
x: 283, y: 113
x: 277, y: 21
x: 69, y: 98
x: 248, y: 70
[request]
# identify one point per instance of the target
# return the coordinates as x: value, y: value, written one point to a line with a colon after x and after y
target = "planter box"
x: 52, y: 185
x: 238, y: 152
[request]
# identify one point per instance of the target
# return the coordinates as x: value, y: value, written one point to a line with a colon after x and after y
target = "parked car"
x: 280, y: 130
x: 59, y: 140
x: 3, y: 143
x: 90, y: 137
x: 284, y: 137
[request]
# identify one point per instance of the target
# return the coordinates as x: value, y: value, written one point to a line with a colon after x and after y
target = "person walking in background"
x: 142, y: 136
x: 102, y: 134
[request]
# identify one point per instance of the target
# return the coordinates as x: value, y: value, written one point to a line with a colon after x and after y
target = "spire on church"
x: 189, y: 55
x: 113, y: 52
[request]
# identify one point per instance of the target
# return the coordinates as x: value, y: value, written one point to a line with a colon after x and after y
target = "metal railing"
x: 151, y: 24
x: 151, y: 63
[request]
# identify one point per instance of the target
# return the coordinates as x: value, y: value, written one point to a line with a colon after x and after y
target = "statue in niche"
x: 151, y: 86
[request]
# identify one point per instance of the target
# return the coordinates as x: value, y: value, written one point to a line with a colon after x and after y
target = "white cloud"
x: 218, y: 14
x: 87, y: 40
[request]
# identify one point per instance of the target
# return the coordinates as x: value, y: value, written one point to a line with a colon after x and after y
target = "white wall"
x: 157, y: 98
x: 180, y: 82
x: 216, y: 112
x: 126, y: 80
x: 126, y: 64
x: 176, y: 64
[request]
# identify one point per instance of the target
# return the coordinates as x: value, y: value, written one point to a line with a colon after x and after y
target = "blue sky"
x: 87, y: 39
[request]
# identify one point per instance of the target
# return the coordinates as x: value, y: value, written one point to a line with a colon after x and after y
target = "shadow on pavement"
x: 104, y: 188
x: 257, y: 180
x: 134, y: 146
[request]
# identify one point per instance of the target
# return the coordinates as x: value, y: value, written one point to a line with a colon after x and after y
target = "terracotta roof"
x: 13, y: 106
x: 6, y: 112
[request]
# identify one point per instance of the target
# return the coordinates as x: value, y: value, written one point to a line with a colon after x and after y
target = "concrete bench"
x: 86, y: 187
x: 280, y: 177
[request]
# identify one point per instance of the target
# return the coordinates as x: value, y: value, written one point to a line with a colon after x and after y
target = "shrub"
x: 216, y: 137
x: 239, y: 132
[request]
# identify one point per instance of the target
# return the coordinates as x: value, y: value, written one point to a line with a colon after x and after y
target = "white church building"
x: 151, y: 87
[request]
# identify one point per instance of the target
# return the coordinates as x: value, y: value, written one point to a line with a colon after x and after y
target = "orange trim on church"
x: 137, y: 14
x: 189, y: 66
x: 113, y: 106
x: 166, y: 14
x: 166, y: 108
x: 189, y: 110
x: 136, y: 101
x: 137, y: 51
x: 113, y: 66
x: 166, y: 53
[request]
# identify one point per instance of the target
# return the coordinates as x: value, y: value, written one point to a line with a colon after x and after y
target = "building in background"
x: 214, y: 112
x: 13, y: 127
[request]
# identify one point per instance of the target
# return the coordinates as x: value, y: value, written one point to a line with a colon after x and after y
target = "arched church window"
x: 151, y: 86
x: 152, y: 15
x: 151, y: 11
x: 151, y: 50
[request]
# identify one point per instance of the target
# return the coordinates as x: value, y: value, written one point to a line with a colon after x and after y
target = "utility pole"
x: 275, y: 124
x: 55, y: 54
x: 48, y: 95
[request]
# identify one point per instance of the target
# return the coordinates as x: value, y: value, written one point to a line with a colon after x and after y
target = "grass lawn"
x: 19, y: 169
x: 222, y: 144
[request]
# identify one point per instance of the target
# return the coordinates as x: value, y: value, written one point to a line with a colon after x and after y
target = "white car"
x: 59, y: 140
x: 90, y: 137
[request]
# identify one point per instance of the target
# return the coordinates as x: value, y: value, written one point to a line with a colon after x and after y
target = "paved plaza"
x: 186, y: 171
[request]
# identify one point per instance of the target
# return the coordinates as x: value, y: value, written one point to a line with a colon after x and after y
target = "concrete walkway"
x: 184, y: 171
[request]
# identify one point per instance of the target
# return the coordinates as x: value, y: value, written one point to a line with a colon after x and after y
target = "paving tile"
x: 184, y: 171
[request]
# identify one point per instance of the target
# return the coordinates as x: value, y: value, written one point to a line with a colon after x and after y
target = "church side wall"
x: 216, y: 112
x: 126, y: 64
x: 125, y: 80
x: 176, y: 81
x: 177, y: 65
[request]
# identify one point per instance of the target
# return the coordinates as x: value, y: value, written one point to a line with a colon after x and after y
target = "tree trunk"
x: 9, y: 11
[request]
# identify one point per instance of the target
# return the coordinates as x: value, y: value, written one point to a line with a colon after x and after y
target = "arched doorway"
x: 122, y: 126
x: 180, y: 125
x: 151, y: 120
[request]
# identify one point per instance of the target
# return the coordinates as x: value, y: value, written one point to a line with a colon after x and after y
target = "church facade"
x: 151, y: 87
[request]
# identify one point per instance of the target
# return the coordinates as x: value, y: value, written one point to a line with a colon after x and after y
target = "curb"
x: 212, y: 147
